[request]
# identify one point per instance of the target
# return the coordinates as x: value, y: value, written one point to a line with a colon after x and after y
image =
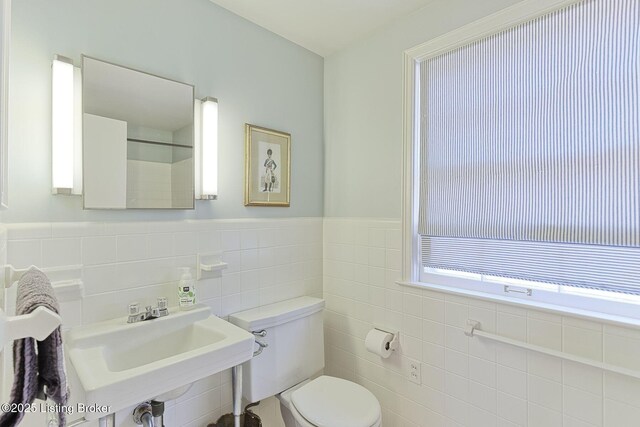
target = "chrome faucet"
x: 160, y: 310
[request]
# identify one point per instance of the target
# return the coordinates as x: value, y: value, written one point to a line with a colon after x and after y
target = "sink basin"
x: 121, y: 364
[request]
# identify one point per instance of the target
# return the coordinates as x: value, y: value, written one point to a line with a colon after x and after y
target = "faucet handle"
x: 162, y: 303
x: 134, y: 308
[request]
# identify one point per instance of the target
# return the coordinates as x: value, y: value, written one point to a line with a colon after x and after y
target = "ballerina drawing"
x: 269, y: 178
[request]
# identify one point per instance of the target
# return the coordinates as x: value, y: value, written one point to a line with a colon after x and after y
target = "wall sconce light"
x: 66, y: 127
x: 207, y: 178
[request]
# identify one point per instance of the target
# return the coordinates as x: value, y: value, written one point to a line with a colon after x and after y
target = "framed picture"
x: 267, y: 167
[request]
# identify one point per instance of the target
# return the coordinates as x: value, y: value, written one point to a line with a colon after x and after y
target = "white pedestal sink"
x: 121, y: 364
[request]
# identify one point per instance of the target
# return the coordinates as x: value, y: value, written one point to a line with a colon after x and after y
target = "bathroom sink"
x: 121, y: 364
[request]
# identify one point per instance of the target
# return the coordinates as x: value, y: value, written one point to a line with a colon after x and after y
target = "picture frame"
x: 267, y: 167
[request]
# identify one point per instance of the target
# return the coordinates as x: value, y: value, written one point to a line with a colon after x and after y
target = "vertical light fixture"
x: 62, y: 125
x: 209, y: 150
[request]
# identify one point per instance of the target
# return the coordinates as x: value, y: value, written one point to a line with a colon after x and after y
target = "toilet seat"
x: 333, y: 402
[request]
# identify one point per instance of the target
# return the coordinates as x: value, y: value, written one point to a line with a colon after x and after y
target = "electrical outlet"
x: 414, y: 371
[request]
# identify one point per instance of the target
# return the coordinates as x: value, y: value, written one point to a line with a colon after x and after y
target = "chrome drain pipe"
x: 157, y: 411
x: 142, y: 415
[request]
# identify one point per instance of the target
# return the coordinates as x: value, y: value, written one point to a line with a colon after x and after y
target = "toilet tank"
x: 295, y: 339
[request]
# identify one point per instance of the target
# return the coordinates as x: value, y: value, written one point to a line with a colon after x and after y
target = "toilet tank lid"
x: 271, y: 315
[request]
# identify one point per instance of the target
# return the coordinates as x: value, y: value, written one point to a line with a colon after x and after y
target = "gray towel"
x: 38, y: 365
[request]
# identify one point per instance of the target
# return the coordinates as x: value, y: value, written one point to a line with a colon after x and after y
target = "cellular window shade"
x: 530, y: 151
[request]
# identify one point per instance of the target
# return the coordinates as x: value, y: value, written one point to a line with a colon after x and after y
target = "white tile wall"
x: 465, y: 381
x: 269, y: 261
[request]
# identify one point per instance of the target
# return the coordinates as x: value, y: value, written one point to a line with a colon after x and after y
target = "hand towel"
x: 41, y: 370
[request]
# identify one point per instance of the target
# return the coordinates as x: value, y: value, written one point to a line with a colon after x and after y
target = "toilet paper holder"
x: 395, y: 341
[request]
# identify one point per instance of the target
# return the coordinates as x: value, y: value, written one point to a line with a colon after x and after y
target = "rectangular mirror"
x: 137, y: 139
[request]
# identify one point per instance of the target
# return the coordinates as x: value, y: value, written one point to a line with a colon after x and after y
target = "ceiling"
x: 322, y: 26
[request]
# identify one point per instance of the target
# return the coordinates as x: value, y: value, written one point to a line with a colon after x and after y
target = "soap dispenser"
x: 186, y: 290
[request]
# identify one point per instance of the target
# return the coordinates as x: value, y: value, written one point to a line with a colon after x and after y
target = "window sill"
x: 611, y: 319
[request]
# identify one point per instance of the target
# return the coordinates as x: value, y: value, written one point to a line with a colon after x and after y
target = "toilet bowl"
x: 287, y: 362
x: 329, y: 402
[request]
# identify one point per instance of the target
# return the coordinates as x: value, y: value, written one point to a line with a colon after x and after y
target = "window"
x: 526, y: 155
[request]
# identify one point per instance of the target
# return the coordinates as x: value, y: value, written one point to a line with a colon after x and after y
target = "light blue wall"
x: 257, y: 76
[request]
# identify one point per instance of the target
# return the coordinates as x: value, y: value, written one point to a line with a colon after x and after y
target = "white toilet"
x: 294, y: 354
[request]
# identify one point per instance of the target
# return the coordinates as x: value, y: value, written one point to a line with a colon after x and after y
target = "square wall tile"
x: 582, y: 406
x: 543, y: 416
x: 185, y: 243
x: 209, y: 241
x: 98, y: 250
x: 545, y: 334
x: 249, y: 239
x: 582, y: 342
x: 433, y: 355
x: 483, y: 371
x: 512, y: 381
x: 433, y: 332
x: 23, y: 253
x: 544, y: 366
x: 483, y: 397
x: 61, y: 252
x: 377, y: 257
x: 456, y: 314
x: 622, y: 351
x: 393, y: 259
x: 160, y: 245
x: 98, y: 279
x: 456, y: 363
x: 512, y: 357
x: 131, y: 247
x: 619, y: 414
x: 545, y: 393
x: 376, y: 238
x: 393, y: 239
x: 622, y: 388
x: 512, y: 409
x: 582, y: 377
x: 455, y: 339
x: 512, y: 326
x: 230, y: 240
x: 483, y: 349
